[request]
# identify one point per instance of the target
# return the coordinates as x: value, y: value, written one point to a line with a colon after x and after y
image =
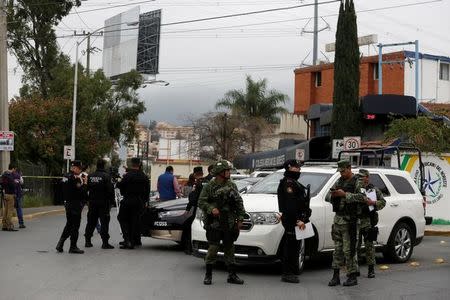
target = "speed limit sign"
x: 352, y: 142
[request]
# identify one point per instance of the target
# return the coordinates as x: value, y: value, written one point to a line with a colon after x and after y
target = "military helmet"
x: 221, y: 166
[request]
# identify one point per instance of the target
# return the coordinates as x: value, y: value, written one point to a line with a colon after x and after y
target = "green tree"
x: 428, y: 135
x: 256, y: 106
x: 346, y: 118
x: 32, y: 39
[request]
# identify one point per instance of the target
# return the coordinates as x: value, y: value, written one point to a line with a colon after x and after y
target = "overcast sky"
x: 192, y: 60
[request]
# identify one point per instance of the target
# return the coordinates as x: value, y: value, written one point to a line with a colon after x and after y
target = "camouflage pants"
x: 368, y: 245
x: 344, y: 248
x: 228, y: 251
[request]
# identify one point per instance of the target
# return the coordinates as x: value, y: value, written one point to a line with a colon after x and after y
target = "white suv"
x: 401, y: 223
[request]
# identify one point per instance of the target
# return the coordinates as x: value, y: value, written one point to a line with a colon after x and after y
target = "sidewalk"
x: 437, y: 230
x: 34, y: 212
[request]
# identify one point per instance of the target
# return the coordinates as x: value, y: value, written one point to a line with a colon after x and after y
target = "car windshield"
x: 269, y: 184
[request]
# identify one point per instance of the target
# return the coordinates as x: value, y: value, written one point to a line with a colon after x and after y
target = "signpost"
x: 338, y: 146
x: 352, y: 142
x: 6, y: 141
x: 69, y: 155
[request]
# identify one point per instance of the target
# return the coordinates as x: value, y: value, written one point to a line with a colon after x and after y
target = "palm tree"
x: 257, y: 106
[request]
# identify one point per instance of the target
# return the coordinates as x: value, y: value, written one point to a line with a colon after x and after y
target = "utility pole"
x: 4, y: 108
x: 88, y: 54
x: 315, y: 31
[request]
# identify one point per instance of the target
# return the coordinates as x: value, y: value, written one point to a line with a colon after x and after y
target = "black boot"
x: 60, y: 245
x: 371, y: 273
x: 88, y: 243
x: 336, y: 279
x: 106, y: 245
x: 74, y: 249
x: 232, y: 276
x: 351, y: 280
x: 208, y: 275
x: 127, y: 245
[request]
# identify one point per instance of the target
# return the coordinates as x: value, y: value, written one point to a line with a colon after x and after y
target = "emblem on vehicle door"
x: 435, y: 181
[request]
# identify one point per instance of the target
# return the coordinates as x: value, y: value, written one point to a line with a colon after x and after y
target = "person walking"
x: 168, y: 187
x: 294, y: 211
x: 101, y: 198
x: 369, y: 220
x: 345, y: 196
x: 223, y: 212
x: 135, y: 189
x: 75, y: 196
x: 9, y: 190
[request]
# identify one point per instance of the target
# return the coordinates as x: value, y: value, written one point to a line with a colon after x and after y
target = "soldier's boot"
x: 351, y: 280
x: 88, y: 243
x: 232, y: 276
x: 336, y: 280
x: 74, y: 249
x: 107, y: 245
x: 208, y: 275
x: 371, y: 273
x: 60, y: 245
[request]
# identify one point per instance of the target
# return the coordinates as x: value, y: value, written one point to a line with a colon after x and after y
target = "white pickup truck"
x: 401, y: 223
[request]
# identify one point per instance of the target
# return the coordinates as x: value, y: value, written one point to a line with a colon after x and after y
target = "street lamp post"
x: 75, y: 81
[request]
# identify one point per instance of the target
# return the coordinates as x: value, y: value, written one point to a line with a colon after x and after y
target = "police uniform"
x: 368, y: 221
x: 222, y: 194
x: 294, y: 207
x: 101, y: 198
x: 135, y: 189
x: 344, y: 229
x: 75, y: 195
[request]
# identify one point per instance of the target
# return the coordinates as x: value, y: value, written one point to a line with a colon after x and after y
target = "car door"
x: 390, y: 212
x: 327, y: 242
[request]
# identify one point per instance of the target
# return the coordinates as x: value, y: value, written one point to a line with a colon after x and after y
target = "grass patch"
x: 36, y: 201
x: 440, y: 222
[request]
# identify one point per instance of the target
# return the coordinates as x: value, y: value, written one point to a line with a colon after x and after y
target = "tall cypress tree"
x: 346, y: 120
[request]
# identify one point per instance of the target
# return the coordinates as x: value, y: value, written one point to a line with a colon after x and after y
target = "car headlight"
x: 264, y: 218
x: 170, y: 213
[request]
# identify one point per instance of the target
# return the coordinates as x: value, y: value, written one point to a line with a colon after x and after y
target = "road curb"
x: 437, y: 232
x: 40, y: 214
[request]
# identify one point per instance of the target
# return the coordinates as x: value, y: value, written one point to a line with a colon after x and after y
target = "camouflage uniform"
x: 344, y: 229
x: 225, y: 197
x: 368, y: 221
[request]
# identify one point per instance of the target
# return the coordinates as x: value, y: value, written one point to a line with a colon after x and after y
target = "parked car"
x: 245, y: 184
x: 401, y: 223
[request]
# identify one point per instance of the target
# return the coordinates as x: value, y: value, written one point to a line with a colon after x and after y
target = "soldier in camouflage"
x: 223, y: 213
x: 346, y: 198
x: 369, y: 220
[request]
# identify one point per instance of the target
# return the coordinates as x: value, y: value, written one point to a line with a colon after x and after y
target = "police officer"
x: 345, y: 196
x: 135, y: 189
x: 223, y: 212
x: 101, y: 198
x: 191, y: 207
x: 294, y: 210
x: 75, y: 195
x: 369, y: 220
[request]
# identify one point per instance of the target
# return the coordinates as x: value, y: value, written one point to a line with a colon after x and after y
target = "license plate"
x: 160, y: 223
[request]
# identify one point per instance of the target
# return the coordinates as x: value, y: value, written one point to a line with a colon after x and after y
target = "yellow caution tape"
x: 44, y: 177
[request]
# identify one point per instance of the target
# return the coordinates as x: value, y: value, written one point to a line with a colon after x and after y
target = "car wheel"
x: 400, y: 244
x: 301, y: 257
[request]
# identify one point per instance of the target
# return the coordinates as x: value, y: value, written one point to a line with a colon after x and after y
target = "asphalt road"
x: 30, y: 268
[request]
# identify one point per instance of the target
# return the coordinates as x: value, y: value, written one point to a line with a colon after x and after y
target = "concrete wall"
x: 431, y: 88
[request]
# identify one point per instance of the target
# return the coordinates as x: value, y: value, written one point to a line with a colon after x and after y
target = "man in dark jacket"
x: 9, y: 190
x: 101, y: 198
x: 191, y: 208
x: 294, y: 210
x: 135, y: 189
x: 75, y: 195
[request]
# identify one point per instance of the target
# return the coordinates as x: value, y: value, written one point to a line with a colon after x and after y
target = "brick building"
x: 314, y: 85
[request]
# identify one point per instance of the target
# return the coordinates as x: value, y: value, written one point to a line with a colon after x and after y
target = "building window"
x: 375, y: 71
x: 444, y: 71
x: 318, y: 78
